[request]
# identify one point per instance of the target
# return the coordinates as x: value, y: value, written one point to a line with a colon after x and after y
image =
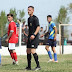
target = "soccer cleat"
x: 37, y: 68
x: 56, y: 61
x: 16, y: 63
x: 27, y: 68
x: 13, y: 62
x: 51, y: 60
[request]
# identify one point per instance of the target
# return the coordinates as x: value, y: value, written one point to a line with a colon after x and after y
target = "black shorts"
x: 41, y: 41
x: 33, y: 43
x: 51, y: 43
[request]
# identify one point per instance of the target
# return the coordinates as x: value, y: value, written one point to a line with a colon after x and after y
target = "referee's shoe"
x: 27, y: 68
x: 37, y: 68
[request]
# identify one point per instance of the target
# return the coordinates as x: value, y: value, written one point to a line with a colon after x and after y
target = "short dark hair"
x: 10, y: 15
x: 20, y: 20
x: 41, y: 27
x: 26, y: 25
x: 49, y: 16
x: 30, y: 7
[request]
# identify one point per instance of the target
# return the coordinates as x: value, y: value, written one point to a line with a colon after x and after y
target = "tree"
x: 70, y: 7
x: 3, y: 21
x: 13, y: 11
x: 21, y: 15
x: 62, y: 17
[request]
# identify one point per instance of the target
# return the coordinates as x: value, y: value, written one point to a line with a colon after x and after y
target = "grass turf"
x: 64, y: 64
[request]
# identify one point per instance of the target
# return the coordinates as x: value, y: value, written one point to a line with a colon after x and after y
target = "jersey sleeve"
x: 37, y: 22
x: 53, y: 25
x: 11, y: 27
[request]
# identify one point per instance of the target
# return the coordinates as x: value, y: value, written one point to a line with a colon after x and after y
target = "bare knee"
x: 47, y: 48
x: 33, y: 51
x: 28, y: 51
x: 53, y: 49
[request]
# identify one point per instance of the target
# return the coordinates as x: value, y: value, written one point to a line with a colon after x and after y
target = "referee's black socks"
x: 29, y: 60
x: 36, y: 59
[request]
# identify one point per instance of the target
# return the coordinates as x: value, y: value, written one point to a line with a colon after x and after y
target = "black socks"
x: 36, y: 59
x: 29, y: 60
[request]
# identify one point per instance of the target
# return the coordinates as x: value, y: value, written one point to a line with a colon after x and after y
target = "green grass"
x: 64, y: 64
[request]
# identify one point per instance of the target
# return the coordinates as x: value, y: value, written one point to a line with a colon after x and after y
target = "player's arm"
x: 11, y: 32
x: 55, y: 33
x: 9, y: 36
x: 37, y: 30
x: 45, y: 29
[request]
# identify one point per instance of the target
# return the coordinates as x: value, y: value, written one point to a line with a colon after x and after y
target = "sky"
x: 42, y: 7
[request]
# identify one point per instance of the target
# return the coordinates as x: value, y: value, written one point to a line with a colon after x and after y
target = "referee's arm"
x: 37, y: 30
x: 37, y: 26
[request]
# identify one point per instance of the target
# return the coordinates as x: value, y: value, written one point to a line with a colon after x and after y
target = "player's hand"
x: 54, y: 38
x: 41, y: 36
x: 7, y: 40
x: 32, y: 37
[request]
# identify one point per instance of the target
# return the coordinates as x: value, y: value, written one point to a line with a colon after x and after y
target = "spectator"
x: 23, y: 26
x: 41, y: 35
x: 26, y: 33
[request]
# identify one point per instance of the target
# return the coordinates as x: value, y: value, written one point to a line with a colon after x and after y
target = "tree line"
x: 63, y: 16
x: 18, y: 14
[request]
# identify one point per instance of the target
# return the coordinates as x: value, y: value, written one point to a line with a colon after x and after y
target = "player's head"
x: 30, y: 10
x: 41, y: 28
x: 10, y: 17
x: 24, y: 22
x: 49, y: 18
x: 26, y: 26
x: 20, y: 20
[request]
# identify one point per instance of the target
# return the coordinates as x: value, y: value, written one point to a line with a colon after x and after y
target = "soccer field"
x: 64, y: 64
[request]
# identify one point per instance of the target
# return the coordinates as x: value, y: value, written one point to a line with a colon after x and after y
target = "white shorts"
x: 11, y: 46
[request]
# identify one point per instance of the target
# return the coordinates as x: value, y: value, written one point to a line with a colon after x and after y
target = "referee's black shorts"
x: 33, y: 43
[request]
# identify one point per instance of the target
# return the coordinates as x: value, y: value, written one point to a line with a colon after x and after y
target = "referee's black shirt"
x: 33, y: 23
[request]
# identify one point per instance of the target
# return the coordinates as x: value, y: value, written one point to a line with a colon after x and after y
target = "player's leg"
x: 54, y: 51
x: 28, y: 59
x: 55, y: 54
x: 33, y: 51
x: 49, y: 53
x: 11, y: 53
x: 15, y: 56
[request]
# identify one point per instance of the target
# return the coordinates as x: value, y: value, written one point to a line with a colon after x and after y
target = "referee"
x: 33, y: 38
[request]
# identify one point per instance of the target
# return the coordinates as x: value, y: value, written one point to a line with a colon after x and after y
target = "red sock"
x: 15, y: 56
x: 12, y: 55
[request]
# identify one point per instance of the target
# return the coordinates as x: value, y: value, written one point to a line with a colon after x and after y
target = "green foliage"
x: 70, y: 7
x: 3, y: 21
x: 21, y: 15
x: 62, y: 17
x: 13, y: 11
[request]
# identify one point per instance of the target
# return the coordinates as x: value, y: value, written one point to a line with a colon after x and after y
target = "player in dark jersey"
x: 33, y: 38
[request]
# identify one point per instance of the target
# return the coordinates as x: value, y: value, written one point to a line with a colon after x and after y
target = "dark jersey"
x: 33, y: 23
